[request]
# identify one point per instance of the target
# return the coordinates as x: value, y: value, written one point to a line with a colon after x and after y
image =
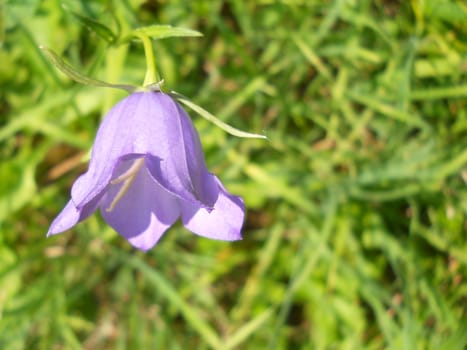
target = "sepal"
x: 208, y: 116
x: 71, y: 73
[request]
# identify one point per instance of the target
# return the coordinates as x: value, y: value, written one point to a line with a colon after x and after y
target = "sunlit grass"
x: 356, y: 230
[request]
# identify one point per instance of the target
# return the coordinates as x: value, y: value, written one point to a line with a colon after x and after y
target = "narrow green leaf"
x: 247, y: 330
x: 205, y: 114
x: 312, y: 57
x: 100, y: 29
x: 163, y: 286
x: 78, y: 77
x: 388, y: 110
x: 165, y: 31
x: 439, y: 93
x: 238, y: 100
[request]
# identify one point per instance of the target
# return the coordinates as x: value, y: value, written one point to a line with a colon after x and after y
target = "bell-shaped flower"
x: 147, y: 169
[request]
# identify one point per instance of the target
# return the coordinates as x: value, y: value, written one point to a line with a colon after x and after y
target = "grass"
x: 355, y: 236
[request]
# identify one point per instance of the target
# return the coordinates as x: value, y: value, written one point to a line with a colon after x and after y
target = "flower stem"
x: 151, y: 69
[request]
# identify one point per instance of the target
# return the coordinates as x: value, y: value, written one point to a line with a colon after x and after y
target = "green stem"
x: 151, y: 69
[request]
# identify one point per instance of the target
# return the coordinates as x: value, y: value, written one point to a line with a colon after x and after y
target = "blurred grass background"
x: 355, y: 236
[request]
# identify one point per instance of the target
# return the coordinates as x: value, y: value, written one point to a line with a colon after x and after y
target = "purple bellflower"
x: 147, y: 169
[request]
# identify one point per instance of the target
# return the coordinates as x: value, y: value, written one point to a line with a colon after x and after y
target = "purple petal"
x: 70, y: 216
x: 181, y: 169
x: 113, y: 140
x: 223, y: 222
x: 204, y: 183
x: 205, y: 194
x: 144, y: 213
x: 148, y: 123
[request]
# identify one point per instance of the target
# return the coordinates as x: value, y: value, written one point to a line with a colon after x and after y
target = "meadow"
x: 355, y: 233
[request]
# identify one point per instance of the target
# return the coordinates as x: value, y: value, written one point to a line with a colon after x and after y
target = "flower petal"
x: 148, y: 123
x: 204, y: 184
x: 223, y: 222
x: 114, y: 139
x: 204, y: 195
x: 178, y: 161
x: 70, y: 216
x: 144, y: 212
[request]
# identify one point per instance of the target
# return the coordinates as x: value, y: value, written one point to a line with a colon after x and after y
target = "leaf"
x: 100, y: 29
x: 242, y: 334
x: 168, y: 291
x: 78, y: 77
x: 206, y: 115
x: 157, y: 32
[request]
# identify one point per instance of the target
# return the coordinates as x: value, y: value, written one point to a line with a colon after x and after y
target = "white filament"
x: 128, y: 177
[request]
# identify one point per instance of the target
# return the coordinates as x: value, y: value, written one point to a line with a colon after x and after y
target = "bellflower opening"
x: 147, y: 169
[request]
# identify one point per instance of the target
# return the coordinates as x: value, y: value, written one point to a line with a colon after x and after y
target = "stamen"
x: 130, y: 172
x: 128, y: 177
